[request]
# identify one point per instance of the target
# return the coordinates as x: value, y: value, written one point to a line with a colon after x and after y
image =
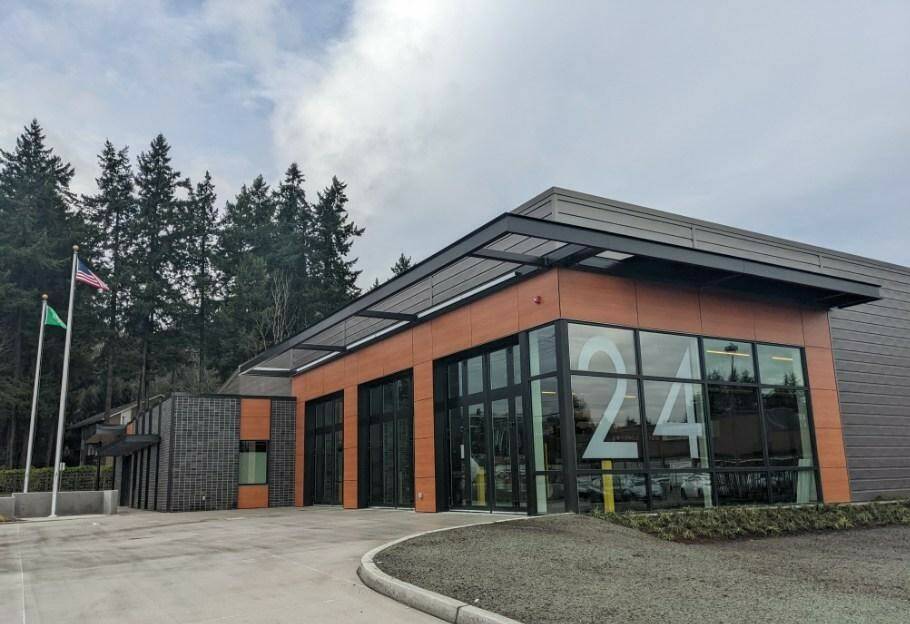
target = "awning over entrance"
x: 130, y: 444
x: 512, y: 247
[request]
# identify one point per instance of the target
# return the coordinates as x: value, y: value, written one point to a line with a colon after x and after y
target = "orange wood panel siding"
x: 255, y: 419
x: 576, y: 295
x: 252, y: 496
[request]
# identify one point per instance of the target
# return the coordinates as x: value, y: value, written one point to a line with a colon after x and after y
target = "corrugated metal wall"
x: 871, y: 342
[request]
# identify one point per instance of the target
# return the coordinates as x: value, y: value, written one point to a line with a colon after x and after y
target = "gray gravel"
x: 560, y: 569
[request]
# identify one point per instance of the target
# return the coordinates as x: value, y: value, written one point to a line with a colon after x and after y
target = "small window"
x: 787, y: 427
x: 728, y: 360
x: 675, y: 415
x: 669, y: 355
x: 780, y: 366
x: 602, y: 349
x: 254, y: 460
x: 546, y: 424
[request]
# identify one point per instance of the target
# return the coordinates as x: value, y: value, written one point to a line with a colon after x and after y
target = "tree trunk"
x: 17, y: 374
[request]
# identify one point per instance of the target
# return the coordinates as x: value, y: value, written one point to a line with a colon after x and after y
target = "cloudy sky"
x: 788, y: 118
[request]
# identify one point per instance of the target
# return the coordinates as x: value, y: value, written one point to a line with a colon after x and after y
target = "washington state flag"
x: 51, y: 318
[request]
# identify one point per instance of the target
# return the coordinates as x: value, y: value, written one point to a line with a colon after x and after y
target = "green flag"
x: 51, y: 318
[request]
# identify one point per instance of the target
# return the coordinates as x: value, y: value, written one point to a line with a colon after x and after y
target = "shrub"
x: 74, y: 478
x: 752, y: 522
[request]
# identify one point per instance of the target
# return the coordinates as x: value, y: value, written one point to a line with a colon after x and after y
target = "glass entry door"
x: 390, y: 440
x: 327, y: 450
x: 487, y: 459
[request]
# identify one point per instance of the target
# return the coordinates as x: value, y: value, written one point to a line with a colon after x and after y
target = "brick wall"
x: 204, y: 454
x: 281, y: 453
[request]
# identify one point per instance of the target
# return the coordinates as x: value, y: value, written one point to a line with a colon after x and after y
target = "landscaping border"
x: 440, y: 606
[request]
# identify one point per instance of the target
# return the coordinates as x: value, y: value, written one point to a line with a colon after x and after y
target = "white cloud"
x: 787, y: 119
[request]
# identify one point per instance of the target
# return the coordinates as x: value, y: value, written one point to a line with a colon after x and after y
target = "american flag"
x: 85, y: 275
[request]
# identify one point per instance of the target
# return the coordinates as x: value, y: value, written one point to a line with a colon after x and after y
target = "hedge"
x: 754, y: 522
x: 41, y: 479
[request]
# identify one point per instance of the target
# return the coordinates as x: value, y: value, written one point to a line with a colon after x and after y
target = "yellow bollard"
x: 481, y: 484
x: 606, y: 481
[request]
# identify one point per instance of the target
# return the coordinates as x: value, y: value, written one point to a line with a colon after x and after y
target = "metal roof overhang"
x: 105, y: 434
x: 130, y: 444
x: 512, y: 247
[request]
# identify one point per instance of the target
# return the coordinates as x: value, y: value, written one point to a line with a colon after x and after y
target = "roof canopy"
x: 512, y: 247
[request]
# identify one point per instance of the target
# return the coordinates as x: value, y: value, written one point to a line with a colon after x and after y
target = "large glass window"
x: 780, y: 366
x: 667, y: 420
x: 602, y: 349
x: 254, y: 462
x: 607, y: 422
x: 677, y: 435
x: 736, y: 426
x: 728, y: 360
x: 669, y: 355
x: 787, y: 427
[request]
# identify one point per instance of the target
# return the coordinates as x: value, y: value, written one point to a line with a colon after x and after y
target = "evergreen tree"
x: 335, y: 279
x: 38, y: 230
x: 111, y: 215
x: 156, y: 262
x: 401, y: 265
x: 245, y: 247
x: 294, y: 233
x: 202, y: 234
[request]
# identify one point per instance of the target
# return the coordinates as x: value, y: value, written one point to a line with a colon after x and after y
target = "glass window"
x: 669, y: 355
x: 516, y: 364
x: 602, y: 349
x: 454, y: 378
x: 735, y: 426
x: 794, y: 486
x: 726, y: 360
x: 546, y: 424
x: 612, y: 492
x: 675, y: 416
x: 741, y: 488
x: 673, y: 490
x: 780, y: 366
x: 551, y: 494
x: 542, y: 344
x: 253, y: 462
x: 499, y: 369
x: 787, y: 427
x: 475, y: 374
x: 607, y: 422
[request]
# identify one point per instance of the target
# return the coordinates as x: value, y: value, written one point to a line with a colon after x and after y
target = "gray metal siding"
x: 871, y: 342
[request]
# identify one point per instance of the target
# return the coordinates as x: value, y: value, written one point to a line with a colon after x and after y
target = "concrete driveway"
x: 269, y: 565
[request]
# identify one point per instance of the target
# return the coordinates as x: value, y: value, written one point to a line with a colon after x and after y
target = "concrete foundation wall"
x: 38, y: 504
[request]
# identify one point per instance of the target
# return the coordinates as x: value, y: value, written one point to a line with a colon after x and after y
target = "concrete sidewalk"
x: 270, y: 565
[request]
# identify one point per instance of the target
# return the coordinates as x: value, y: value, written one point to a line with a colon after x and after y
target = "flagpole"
x: 66, y: 370
x: 31, y: 424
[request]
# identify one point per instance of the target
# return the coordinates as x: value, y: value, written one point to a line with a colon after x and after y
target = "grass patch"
x: 744, y: 522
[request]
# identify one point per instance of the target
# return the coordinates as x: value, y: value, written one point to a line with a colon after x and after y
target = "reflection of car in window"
x: 696, y: 486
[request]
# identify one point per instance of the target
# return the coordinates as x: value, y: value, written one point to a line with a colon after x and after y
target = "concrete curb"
x: 438, y: 605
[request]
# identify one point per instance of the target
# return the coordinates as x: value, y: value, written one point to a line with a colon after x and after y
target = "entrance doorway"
x: 387, y: 430
x: 325, y: 431
x: 486, y: 434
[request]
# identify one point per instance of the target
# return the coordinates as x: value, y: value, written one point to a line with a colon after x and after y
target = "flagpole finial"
x: 44, y: 296
x: 75, y: 247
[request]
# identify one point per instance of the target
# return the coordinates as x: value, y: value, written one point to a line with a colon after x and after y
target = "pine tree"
x: 401, y: 265
x: 246, y: 246
x: 156, y: 262
x: 202, y: 230
x: 111, y: 215
x: 335, y: 279
x: 39, y: 227
x: 294, y: 233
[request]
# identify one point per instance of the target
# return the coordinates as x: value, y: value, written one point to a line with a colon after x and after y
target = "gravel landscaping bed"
x: 560, y: 569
